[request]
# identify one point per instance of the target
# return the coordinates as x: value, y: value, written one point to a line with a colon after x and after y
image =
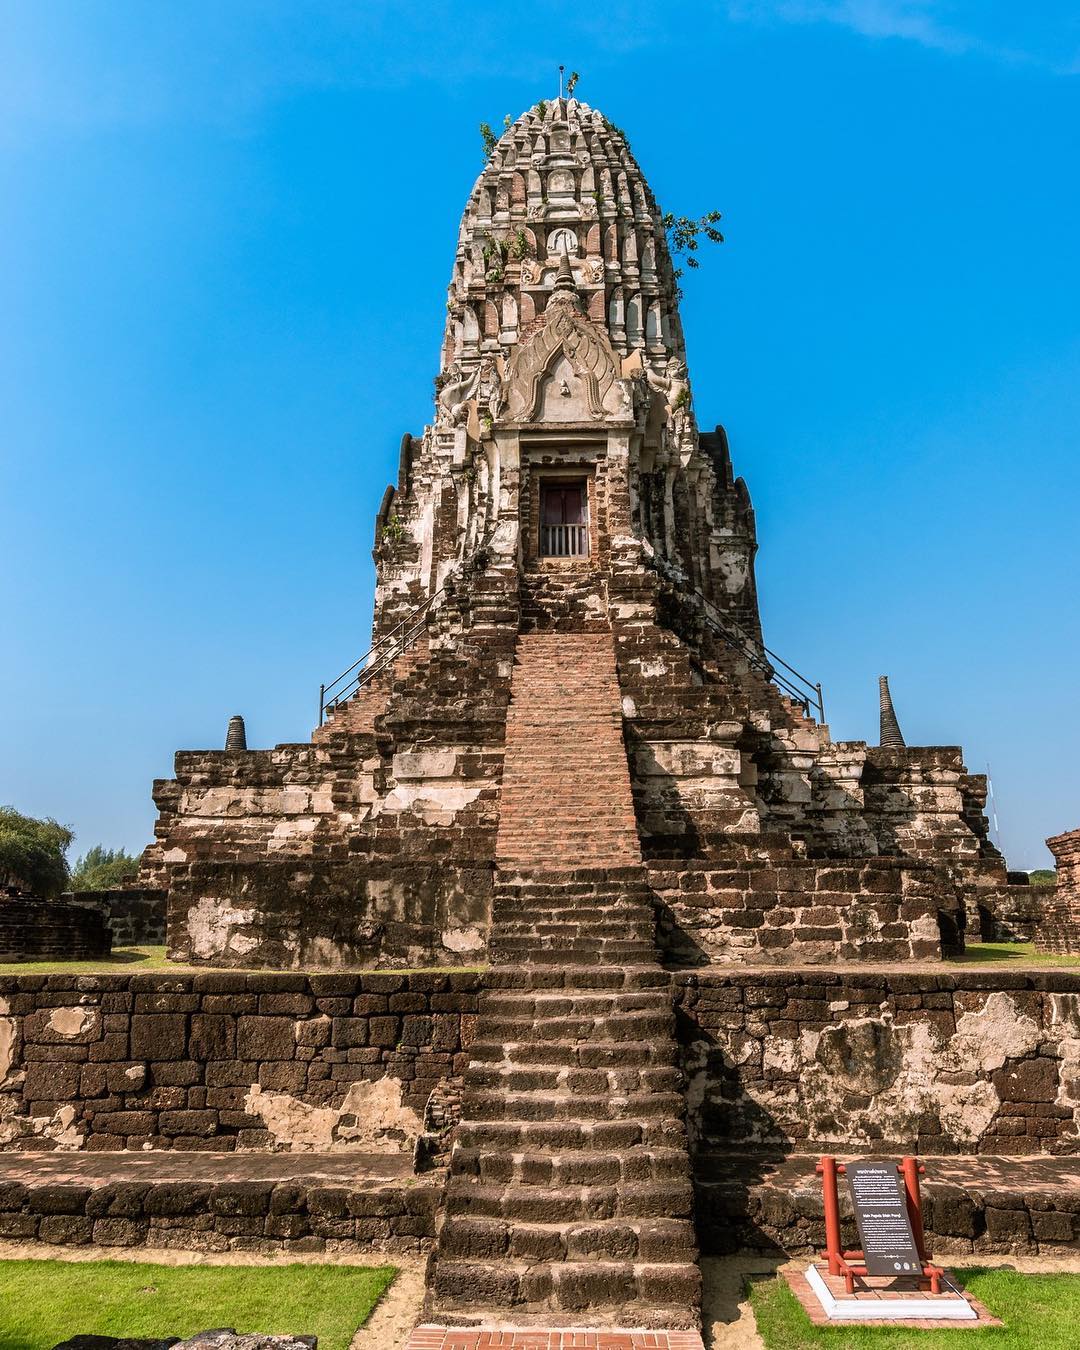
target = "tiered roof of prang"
x: 562, y: 179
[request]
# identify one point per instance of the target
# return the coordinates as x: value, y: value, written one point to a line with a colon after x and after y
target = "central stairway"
x: 569, y: 1201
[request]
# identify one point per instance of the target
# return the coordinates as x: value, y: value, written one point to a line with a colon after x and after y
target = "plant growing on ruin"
x: 618, y: 131
x: 571, y: 83
x: 489, y: 139
x: 541, y: 107
x: 519, y: 246
x: 393, y: 531
x: 684, y: 234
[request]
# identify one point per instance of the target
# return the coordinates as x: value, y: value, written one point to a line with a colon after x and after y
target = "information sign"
x: 880, y: 1202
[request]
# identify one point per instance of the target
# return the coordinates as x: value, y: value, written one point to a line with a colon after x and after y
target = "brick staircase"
x: 570, y: 599
x: 566, y: 798
x: 569, y: 1200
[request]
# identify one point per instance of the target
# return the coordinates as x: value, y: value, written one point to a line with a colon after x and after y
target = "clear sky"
x: 226, y: 231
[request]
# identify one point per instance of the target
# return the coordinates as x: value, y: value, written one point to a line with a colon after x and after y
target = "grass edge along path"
x: 45, y: 1302
x: 1040, y: 1311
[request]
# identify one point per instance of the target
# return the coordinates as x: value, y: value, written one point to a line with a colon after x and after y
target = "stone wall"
x: 302, y: 1214
x: 961, y: 1061
x: 762, y: 909
x: 226, y: 1061
x: 1012, y: 913
x: 37, y: 930
x: 135, y: 915
x: 1059, y: 930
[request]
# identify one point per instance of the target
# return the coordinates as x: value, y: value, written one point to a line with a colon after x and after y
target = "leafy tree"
x: 489, y: 138
x: 102, y: 869
x: 1043, y: 876
x: 571, y: 83
x: 32, y: 853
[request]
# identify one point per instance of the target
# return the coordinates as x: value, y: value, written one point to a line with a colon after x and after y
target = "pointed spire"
x: 891, y: 736
x: 564, y: 278
x: 236, y: 736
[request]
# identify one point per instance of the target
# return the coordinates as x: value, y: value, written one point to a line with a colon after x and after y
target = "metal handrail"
x: 804, y: 691
x: 383, y: 653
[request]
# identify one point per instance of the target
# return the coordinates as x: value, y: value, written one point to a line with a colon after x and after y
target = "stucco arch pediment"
x: 566, y: 372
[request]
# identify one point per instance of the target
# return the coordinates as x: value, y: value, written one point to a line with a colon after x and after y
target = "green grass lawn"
x: 153, y: 958
x: 1040, y: 1312
x: 45, y: 1302
x: 1014, y: 953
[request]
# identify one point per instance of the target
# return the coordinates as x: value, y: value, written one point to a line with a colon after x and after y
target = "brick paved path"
x: 550, y: 1338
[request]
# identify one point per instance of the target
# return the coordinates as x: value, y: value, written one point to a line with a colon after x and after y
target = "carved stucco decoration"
x: 567, y: 342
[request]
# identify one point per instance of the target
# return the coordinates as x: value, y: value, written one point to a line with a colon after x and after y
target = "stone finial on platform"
x: 1058, y: 927
x: 236, y: 736
x: 891, y: 737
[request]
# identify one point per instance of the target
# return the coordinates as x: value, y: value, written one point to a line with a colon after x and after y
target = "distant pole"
x: 561, y: 69
x: 993, y: 809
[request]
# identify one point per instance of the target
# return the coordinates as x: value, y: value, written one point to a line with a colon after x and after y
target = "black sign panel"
x: 877, y: 1193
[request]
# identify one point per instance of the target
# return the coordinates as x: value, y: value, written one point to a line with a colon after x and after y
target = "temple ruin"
x: 571, y: 937
x: 564, y: 511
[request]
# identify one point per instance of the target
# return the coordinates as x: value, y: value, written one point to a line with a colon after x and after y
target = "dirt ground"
x: 728, y: 1321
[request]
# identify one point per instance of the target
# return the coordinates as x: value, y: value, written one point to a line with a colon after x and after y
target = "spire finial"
x: 564, y: 277
x: 561, y: 69
x: 236, y: 736
x: 890, y: 736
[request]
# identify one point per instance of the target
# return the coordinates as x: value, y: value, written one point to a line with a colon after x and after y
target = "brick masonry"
x: 134, y: 914
x: 217, y: 1202
x: 957, y: 1061
x: 963, y: 1061
x: 1027, y: 1205
x: 34, y: 930
x: 222, y: 1061
x: 1060, y: 929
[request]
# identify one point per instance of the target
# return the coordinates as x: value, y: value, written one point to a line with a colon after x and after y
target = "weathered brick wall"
x: 35, y: 930
x: 1059, y: 929
x: 961, y: 1061
x: 764, y: 910
x: 219, y: 1060
x: 1012, y: 913
x: 300, y: 1215
x: 135, y: 915
x: 372, y: 846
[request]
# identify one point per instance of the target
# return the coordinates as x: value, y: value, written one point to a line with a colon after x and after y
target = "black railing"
x: 805, y: 692
x: 383, y: 653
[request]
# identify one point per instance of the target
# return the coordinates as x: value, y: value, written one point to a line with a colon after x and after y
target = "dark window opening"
x: 564, y: 521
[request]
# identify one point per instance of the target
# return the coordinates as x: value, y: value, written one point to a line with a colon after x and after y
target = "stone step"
x: 482, y: 1104
x: 572, y: 877
x: 540, y: 1003
x: 566, y: 1078
x: 586, y: 1167
x: 619, y: 1027
x: 577, y: 951
x: 581, y: 1055
x: 672, y: 1199
x: 634, y: 1293
x: 570, y: 1135
x: 631, y: 925
x: 629, y: 1238
x: 649, y: 975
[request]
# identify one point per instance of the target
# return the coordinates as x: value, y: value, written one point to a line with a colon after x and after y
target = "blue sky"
x: 225, y: 236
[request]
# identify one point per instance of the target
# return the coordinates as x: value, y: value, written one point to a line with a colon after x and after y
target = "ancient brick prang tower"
x: 569, y: 668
